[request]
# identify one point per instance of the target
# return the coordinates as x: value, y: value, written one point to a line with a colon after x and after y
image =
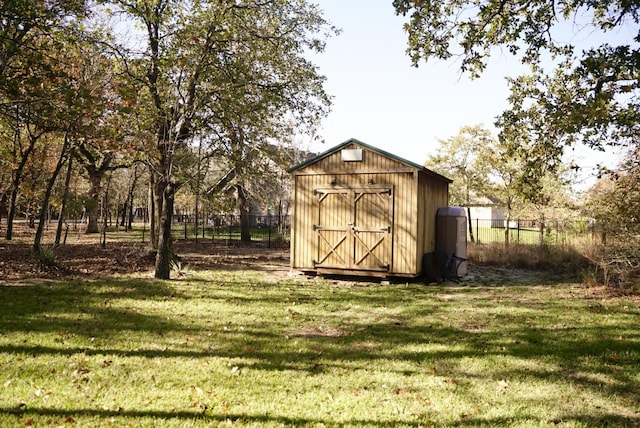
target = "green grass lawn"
x: 235, y: 348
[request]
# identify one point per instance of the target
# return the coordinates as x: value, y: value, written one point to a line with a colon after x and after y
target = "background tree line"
x: 166, y: 88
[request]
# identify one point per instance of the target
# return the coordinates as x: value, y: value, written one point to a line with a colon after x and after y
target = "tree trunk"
x: 243, y: 207
x: 16, y: 176
x: 12, y: 211
x: 151, y: 212
x: 15, y: 187
x: 470, y: 224
x: 132, y: 188
x: 105, y: 214
x: 130, y: 216
x: 123, y: 215
x: 3, y: 206
x: 165, y: 255
x: 245, y: 227
x: 63, y: 205
x: 156, y: 197
x: 47, y: 196
x: 158, y: 202
x: 93, y: 203
x: 195, y: 216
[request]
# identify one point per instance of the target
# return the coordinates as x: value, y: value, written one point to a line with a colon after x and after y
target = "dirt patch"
x: 84, y: 256
x: 18, y: 262
x: 91, y: 259
x: 208, y: 256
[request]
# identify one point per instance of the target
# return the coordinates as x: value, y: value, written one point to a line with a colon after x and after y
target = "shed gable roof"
x: 368, y: 147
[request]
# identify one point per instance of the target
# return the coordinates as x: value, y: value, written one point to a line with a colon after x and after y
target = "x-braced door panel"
x: 354, y: 228
x: 333, y: 228
x: 372, y: 229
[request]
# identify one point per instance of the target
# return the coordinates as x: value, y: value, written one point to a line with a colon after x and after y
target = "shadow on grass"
x: 209, y: 417
x: 206, y: 416
x: 603, y: 420
x: 344, y: 327
x: 84, y: 308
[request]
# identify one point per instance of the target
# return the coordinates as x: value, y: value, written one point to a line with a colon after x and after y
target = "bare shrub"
x: 561, y: 259
x: 616, y: 263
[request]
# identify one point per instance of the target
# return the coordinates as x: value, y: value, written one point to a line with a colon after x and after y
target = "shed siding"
x: 416, y: 197
x: 433, y: 194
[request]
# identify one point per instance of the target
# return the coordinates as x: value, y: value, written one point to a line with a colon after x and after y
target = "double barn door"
x: 354, y: 228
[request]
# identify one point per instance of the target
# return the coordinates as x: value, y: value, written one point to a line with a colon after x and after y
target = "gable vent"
x: 352, y: 155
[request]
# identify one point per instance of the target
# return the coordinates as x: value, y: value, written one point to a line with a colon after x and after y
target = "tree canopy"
x: 184, y: 81
x: 464, y: 158
x: 574, y: 93
x: 472, y: 29
x: 218, y: 71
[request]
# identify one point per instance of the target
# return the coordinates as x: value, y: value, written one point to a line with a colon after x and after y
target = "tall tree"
x: 104, y: 142
x: 482, y: 165
x: 63, y: 157
x: 505, y: 178
x: 85, y: 105
x: 31, y: 35
x: 185, y: 66
x: 63, y: 202
x: 463, y: 158
x: 19, y: 155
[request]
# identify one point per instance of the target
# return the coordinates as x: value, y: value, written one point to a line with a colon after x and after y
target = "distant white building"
x: 486, y: 212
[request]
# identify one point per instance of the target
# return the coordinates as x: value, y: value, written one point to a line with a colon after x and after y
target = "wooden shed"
x: 358, y: 210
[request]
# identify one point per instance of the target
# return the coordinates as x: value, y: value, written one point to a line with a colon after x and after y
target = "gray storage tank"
x: 451, y: 241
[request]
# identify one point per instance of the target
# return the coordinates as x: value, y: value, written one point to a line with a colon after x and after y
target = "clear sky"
x: 380, y: 99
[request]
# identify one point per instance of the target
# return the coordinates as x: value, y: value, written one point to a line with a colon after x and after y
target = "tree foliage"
x: 484, y: 167
x: 614, y: 201
x: 463, y: 158
x: 590, y: 95
x: 232, y: 69
x: 471, y: 30
x: 614, y: 204
x: 187, y: 82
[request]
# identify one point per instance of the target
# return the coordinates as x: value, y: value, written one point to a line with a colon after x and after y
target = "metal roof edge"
x: 373, y: 149
x: 321, y: 155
